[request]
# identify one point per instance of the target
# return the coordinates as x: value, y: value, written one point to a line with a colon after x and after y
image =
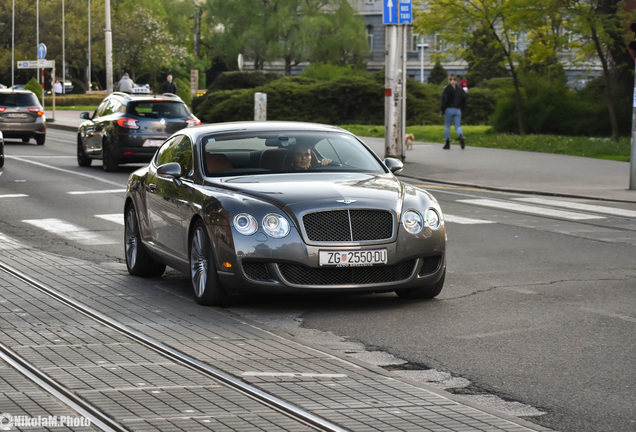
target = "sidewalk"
x: 505, y: 170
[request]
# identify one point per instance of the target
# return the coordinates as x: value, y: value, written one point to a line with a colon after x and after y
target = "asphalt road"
x: 538, y: 306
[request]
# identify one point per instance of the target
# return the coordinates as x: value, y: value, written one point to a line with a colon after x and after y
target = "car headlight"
x: 413, y: 221
x: 275, y: 225
x: 245, y: 223
x: 433, y: 219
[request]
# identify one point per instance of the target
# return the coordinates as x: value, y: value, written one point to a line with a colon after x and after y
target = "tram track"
x: 102, y: 420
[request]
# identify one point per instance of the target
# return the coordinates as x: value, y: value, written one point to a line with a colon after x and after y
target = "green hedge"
x: 74, y: 100
x: 35, y: 87
x: 242, y: 80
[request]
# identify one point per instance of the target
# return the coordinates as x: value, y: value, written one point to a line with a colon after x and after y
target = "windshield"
x: 18, y: 99
x: 158, y: 109
x: 248, y: 153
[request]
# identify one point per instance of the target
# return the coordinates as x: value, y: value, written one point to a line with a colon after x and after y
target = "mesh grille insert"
x: 430, y: 265
x: 256, y: 271
x: 348, y: 225
x: 301, y: 275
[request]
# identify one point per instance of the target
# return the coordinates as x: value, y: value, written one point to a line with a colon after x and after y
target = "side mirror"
x: 170, y: 169
x: 85, y: 115
x: 394, y: 165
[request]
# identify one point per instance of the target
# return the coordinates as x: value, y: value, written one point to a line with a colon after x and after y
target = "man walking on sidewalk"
x: 453, y: 100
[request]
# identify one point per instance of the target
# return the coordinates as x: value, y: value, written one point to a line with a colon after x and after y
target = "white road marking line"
x: 530, y: 209
x: 66, y: 171
x: 116, y: 217
x: 97, y: 192
x: 610, y: 314
x: 70, y: 231
x: 580, y: 206
x: 45, y: 156
x: 464, y: 220
x: 13, y: 196
x: 292, y: 374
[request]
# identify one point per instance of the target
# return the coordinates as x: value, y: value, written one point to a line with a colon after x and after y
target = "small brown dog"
x: 408, y: 140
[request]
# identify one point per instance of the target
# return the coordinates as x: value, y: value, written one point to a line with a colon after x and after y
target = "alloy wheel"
x: 132, y: 246
x: 199, y: 261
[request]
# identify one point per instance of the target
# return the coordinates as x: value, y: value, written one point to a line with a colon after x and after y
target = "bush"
x: 438, y: 74
x: 35, y: 87
x: 74, y: 100
x: 242, y: 80
x: 423, y: 103
x: 480, y: 105
x: 327, y: 71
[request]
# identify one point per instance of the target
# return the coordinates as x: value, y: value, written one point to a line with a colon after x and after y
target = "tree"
x: 595, y: 29
x: 484, y: 58
x: 438, y: 74
x: 504, y: 20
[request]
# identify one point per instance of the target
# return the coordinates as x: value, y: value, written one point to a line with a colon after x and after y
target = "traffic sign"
x: 390, y: 12
x: 41, y: 51
x: 35, y: 64
x: 405, y: 12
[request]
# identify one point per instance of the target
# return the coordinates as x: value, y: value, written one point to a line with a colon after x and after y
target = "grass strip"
x: 484, y: 136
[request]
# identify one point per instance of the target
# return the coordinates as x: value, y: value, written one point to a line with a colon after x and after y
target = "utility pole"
x: 13, y: 48
x: 63, y: 52
x: 37, y: 31
x: 109, y: 50
x: 89, y: 45
x: 422, y: 46
x: 632, y: 157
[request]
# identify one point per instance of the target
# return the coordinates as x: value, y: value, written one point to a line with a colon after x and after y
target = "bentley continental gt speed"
x: 281, y: 207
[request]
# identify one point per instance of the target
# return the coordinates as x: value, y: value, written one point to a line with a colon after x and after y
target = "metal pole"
x: 422, y: 59
x: 53, y: 92
x: 37, y: 32
x: 109, y: 50
x: 63, y: 54
x: 632, y: 157
x: 89, y: 44
x: 390, y: 90
x: 402, y: 133
x: 13, y: 48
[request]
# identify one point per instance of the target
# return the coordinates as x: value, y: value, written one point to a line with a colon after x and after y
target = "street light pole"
x: 37, y: 32
x: 422, y: 46
x: 89, y: 44
x: 13, y: 48
x: 63, y: 53
x: 109, y: 50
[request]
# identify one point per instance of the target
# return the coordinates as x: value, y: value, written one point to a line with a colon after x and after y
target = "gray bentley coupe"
x: 281, y: 207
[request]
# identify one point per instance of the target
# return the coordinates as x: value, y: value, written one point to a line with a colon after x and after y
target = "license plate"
x: 153, y: 143
x: 16, y: 115
x: 358, y: 258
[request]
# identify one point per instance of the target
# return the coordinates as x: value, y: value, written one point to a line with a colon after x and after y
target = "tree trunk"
x: 608, y: 84
x: 288, y: 66
x: 623, y: 61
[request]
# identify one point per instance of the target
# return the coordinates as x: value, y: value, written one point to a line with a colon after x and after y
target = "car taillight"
x: 193, y: 122
x: 128, y: 123
x: 2, y: 109
x: 37, y: 110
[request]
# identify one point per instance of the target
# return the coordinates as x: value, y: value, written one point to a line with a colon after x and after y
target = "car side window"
x: 100, y: 109
x: 180, y: 151
x: 164, y: 154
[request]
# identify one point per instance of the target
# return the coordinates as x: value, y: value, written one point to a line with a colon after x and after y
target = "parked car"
x: 129, y: 128
x: 17, y: 87
x: 2, y: 86
x: 22, y: 116
x: 281, y: 207
x: 1, y: 150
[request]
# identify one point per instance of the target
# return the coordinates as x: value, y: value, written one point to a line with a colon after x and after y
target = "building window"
x: 369, y: 2
x: 440, y: 45
x: 370, y: 37
x: 415, y: 40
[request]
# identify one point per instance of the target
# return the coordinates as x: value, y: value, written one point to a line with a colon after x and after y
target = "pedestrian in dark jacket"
x: 169, y: 86
x: 453, y: 100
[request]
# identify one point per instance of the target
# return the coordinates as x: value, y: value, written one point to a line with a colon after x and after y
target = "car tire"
x: 25, y: 139
x: 428, y: 292
x: 40, y: 139
x: 138, y: 261
x: 109, y: 164
x: 82, y: 159
x: 206, y: 286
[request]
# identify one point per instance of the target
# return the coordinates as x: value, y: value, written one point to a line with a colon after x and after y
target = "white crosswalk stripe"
x: 70, y: 231
x: 97, y: 192
x: 464, y: 220
x: 7, y: 243
x: 579, y: 206
x: 505, y: 205
x: 13, y: 196
x: 118, y: 218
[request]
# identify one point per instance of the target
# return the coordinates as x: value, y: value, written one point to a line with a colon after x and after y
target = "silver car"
x: 281, y: 207
x: 22, y: 116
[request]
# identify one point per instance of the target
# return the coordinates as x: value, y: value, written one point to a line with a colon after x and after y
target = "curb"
x: 61, y: 127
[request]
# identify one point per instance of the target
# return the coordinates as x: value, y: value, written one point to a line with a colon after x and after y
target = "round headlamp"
x: 275, y: 225
x: 413, y: 221
x: 245, y: 223
x: 433, y: 219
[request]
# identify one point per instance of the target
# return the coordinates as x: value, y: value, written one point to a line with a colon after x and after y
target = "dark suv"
x: 128, y: 128
x: 22, y: 116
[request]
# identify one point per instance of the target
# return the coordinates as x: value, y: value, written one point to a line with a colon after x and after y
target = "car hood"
x: 300, y: 192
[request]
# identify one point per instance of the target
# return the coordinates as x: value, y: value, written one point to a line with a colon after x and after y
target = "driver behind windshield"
x: 302, y: 158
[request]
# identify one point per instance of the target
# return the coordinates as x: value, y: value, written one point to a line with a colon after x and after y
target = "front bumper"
x: 263, y: 264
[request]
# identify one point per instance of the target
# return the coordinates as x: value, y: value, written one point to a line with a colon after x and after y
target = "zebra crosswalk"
x: 76, y: 233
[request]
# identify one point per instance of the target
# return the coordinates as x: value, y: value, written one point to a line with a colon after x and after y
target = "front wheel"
x: 206, y: 285
x: 138, y: 261
x: 109, y: 164
x: 82, y: 159
x: 423, y: 293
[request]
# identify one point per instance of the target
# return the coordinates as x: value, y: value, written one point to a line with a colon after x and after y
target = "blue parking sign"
x: 398, y: 12
x: 405, y: 12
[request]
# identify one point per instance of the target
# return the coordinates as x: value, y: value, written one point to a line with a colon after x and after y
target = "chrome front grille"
x: 348, y: 225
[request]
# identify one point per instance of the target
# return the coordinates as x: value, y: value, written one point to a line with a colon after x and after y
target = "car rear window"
x: 155, y: 109
x: 18, y: 99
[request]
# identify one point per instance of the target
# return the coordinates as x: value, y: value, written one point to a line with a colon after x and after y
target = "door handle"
x: 152, y: 188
